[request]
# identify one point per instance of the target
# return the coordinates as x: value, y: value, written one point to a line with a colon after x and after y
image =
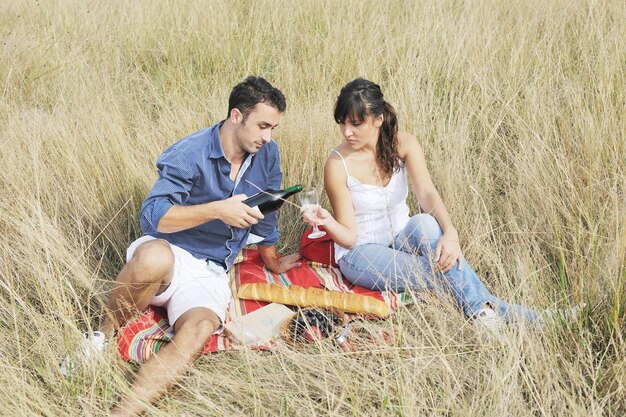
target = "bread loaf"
x: 295, y: 295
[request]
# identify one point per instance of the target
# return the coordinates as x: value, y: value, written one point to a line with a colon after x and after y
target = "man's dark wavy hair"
x: 254, y: 90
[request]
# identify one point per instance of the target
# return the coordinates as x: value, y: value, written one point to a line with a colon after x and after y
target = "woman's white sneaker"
x: 563, y: 315
x: 488, y: 319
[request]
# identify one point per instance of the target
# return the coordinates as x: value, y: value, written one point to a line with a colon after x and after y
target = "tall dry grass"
x: 518, y: 105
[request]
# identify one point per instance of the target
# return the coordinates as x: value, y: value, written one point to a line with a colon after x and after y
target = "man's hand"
x: 285, y: 263
x: 237, y: 214
x: 448, y: 252
x: 275, y: 264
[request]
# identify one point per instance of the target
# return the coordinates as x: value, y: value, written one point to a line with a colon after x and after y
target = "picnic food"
x: 314, y: 297
x: 312, y: 324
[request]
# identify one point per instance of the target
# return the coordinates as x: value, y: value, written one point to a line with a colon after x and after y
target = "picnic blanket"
x: 145, y: 335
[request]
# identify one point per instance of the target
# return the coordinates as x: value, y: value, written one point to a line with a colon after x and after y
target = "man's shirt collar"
x: 216, y: 147
x: 217, y: 151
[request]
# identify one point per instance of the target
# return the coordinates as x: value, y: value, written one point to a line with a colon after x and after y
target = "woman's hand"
x: 317, y: 217
x: 448, y: 252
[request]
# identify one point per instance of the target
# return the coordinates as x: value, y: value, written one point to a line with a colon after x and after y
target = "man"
x: 195, y: 224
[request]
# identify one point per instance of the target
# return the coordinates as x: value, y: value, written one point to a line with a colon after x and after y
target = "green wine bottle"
x: 270, y: 200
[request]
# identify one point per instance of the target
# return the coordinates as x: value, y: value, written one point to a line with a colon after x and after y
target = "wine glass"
x: 310, y: 201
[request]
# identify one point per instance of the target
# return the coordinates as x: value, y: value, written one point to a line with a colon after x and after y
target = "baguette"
x: 295, y: 295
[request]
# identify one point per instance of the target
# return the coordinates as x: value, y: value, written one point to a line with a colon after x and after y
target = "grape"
x: 312, y: 324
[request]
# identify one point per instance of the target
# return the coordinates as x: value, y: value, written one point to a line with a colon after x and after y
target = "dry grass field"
x: 519, y: 106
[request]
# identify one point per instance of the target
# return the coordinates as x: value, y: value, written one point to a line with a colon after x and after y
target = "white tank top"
x: 380, y: 212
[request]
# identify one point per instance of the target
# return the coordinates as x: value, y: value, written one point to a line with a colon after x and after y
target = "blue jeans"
x: 408, y: 264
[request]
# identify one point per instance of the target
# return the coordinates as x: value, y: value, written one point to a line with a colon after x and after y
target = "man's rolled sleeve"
x: 171, y: 188
x: 151, y: 214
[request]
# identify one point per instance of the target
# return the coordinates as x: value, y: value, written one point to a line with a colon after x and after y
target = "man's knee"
x: 152, y: 261
x: 194, y: 328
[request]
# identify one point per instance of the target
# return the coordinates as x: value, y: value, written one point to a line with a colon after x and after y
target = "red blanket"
x: 142, y: 337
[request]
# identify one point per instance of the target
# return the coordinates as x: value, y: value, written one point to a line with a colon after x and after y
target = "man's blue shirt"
x: 195, y: 171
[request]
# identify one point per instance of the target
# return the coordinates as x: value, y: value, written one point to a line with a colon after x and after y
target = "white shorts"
x: 193, y: 285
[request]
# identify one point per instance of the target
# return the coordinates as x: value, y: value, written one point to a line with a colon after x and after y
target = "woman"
x: 377, y: 244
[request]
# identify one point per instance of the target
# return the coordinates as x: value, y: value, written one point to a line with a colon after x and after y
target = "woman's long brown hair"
x: 361, y: 98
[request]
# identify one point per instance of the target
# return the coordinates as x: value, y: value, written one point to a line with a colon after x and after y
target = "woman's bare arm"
x: 448, y: 250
